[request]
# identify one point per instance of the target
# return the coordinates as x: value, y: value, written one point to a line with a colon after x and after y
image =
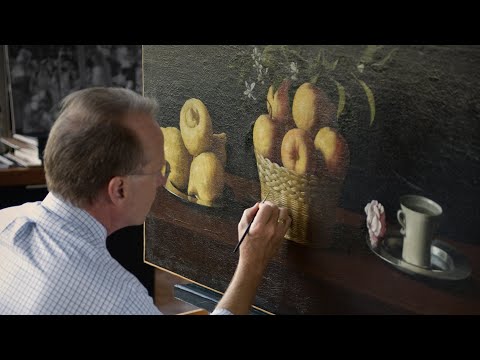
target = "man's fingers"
x: 265, y: 213
x: 268, y: 213
x: 284, y: 219
x: 247, y: 217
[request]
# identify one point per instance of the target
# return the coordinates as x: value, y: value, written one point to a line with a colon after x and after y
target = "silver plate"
x: 447, y: 262
x: 192, y: 199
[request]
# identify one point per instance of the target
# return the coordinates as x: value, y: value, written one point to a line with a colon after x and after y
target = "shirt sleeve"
x: 221, y: 311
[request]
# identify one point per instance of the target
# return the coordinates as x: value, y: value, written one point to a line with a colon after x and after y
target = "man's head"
x: 106, y: 147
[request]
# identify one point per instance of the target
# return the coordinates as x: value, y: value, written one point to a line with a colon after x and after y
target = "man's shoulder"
x: 8, y: 215
x: 11, y: 214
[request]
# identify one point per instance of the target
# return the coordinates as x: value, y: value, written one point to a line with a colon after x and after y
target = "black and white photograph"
x: 40, y: 76
x: 4, y: 110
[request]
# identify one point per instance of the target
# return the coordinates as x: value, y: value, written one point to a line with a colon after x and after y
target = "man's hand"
x: 269, y: 226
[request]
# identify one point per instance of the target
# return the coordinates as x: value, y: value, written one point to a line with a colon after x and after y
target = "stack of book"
x: 22, y: 150
x: 5, y: 163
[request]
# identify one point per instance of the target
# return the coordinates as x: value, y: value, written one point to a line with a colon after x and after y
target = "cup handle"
x: 401, y: 220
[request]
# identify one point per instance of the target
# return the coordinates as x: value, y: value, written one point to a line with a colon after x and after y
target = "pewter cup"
x: 419, y: 217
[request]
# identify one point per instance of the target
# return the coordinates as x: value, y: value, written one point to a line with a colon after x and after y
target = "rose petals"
x: 376, y: 222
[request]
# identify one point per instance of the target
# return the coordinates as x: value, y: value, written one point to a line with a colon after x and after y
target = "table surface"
x: 197, y: 243
x: 20, y: 176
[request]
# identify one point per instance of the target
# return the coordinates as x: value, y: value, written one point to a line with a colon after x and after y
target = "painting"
x: 338, y: 134
x: 40, y: 76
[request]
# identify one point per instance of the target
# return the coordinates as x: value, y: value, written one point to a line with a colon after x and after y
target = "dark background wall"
x: 424, y: 138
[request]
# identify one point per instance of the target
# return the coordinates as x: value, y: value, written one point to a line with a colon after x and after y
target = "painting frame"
x: 398, y: 148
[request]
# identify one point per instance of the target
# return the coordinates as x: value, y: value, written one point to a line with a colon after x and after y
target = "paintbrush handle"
x: 248, y: 227
x: 243, y: 236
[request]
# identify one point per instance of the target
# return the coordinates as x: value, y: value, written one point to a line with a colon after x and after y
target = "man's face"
x: 144, y: 183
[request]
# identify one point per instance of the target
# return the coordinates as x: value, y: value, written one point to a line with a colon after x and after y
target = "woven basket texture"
x: 311, y: 200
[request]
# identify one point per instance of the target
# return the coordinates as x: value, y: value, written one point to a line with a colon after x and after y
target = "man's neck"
x: 105, y: 215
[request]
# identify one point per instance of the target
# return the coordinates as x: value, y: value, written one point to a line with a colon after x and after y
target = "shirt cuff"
x: 221, y: 311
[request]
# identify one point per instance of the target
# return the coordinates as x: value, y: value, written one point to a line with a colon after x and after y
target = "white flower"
x: 256, y: 55
x: 376, y: 223
x: 261, y: 72
x: 265, y: 72
x: 293, y: 70
x: 249, y: 91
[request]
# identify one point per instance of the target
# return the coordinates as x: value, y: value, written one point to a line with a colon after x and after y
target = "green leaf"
x: 370, y: 97
x: 271, y: 56
x: 341, y: 98
x: 385, y: 59
x: 334, y: 64
x: 371, y: 100
x: 369, y: 52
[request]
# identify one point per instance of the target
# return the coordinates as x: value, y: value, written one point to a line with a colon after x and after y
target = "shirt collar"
x: 74, y: 215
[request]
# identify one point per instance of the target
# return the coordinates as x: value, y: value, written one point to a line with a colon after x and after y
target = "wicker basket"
x: 311, y: 200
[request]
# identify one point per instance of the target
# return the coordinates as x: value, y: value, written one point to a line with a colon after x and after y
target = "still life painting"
x: 345, y: 137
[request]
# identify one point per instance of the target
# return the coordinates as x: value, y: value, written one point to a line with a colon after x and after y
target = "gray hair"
x: 90, y: 142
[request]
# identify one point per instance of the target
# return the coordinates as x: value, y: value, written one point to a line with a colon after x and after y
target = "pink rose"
x: 376, y: 223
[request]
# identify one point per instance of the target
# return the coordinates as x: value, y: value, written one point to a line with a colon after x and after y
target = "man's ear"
x: 116, y: 189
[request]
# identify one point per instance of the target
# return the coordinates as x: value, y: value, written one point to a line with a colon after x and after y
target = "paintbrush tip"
x: 265, y: 198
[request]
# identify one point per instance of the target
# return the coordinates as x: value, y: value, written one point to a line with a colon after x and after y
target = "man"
x: 103, y: 162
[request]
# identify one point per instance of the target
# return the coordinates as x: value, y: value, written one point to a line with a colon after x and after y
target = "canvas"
x: 337, y: 134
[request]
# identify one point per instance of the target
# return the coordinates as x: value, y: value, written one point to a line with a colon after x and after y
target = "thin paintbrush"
x: 248, y: 227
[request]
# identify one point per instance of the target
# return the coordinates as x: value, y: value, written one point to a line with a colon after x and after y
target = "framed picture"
x: 338, y: 134
x: 40, y: 76
x: 4, y: 106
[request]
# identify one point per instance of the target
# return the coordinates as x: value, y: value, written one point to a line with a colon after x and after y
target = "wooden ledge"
x: 19, y: 176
